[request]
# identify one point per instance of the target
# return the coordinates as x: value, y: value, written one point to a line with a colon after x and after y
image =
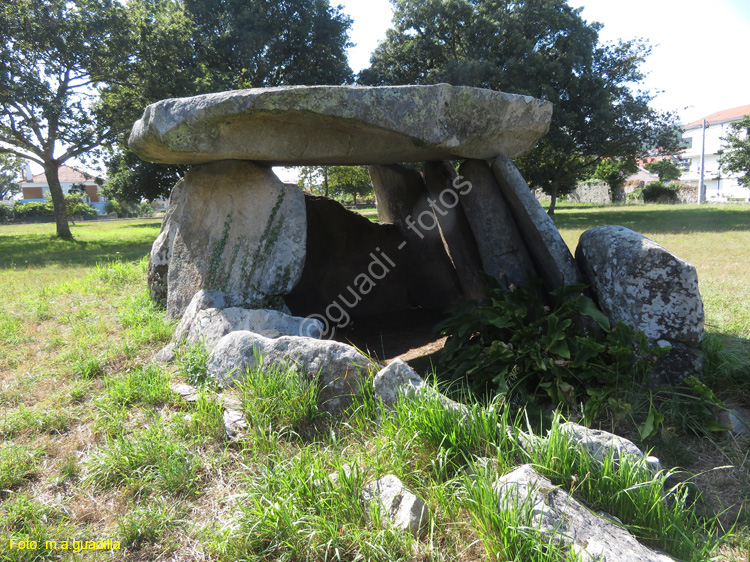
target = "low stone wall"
x: 590, y: 192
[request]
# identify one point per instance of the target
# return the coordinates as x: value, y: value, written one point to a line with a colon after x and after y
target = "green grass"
x: 94, y: 445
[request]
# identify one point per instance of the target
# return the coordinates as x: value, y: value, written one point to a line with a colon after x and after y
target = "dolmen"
x: 234, y: 228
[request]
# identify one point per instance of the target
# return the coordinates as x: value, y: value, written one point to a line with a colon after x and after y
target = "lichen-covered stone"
x: 639, y: 282
x: 336, y: 366
x: 555, y: 513
x: 501, y: 248
x: 233, y: 227
x: 341, y: 125
x: 550, y: 255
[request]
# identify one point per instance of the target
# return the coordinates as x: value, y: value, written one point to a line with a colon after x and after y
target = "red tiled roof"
x: 725, y: 115
x: 66, y: 175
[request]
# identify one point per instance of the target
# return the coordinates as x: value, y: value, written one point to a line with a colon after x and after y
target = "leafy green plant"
x: 192, y: 360
x: 510, y: 344
x: 657, y: 192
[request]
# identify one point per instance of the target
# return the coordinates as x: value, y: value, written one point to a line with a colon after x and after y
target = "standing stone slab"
x: 551, y: 257
x: 402, y: 199
x: 504, y: 255
x: 336, y: 366
x: 555, y: 512
x: 235, y: 228
x: 640, y: 283
x: 445, y: 187
x: 340, y: 125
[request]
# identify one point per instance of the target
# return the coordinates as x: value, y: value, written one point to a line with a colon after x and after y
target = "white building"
x: 719, y: 185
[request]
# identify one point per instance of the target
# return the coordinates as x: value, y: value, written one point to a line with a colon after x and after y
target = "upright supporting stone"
x: 445, y: 189
x: 551, y: 257
x: 504, y: 255
x: 402, y: 199
x: 234, y: 228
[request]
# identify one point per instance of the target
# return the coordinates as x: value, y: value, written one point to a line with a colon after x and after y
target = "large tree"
x: 542, y: 48
x: 336, y: 181
x: 10, y: 170
x: 52, y: 53
x: 183, y: 48
x: 736, y: 156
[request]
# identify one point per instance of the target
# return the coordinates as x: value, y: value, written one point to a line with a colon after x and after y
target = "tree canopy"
x: 336, y: 181
x: 666, y: 170
x: 52, y: 54
x: 542, y: 48
x: 183, y: 48
x: 736, y: 156
x: 10, y: 168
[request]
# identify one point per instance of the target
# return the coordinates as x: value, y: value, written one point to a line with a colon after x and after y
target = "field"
x: 95, y: 446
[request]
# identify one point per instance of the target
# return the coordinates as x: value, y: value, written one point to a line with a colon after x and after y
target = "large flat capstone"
x: 342, y: 125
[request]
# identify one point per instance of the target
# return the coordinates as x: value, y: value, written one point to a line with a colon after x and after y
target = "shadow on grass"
x: 666, y: 219
x: 126, y: 242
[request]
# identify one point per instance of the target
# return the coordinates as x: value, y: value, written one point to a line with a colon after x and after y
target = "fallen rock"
x: 556, y: 513
x: 298, y: 125
x: 336, y: 366
x: 550, y: 255
x: 600, y: 445
x: 640, y: 283
x: 399, y: 380
x: 397, y: 505
x: 235, y: 228
x: 501, y: 248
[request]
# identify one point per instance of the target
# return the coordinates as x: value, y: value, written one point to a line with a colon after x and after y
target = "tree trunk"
x: 51, y: 168
x: 552, y: 201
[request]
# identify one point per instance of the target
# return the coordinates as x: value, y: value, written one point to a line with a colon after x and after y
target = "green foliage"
x: 10, y: 168
x: 614, y: 172
x: 665, y: 169
x: 146, y: 525
x: 18, y: 464
x: 657, y: 192
x: 51, y: 52
x: 33, y: 209
x: 736, y: 156
x: 511, y: 345
x: 192, y: 360
x: 544, y: 49
x: 336, y: 181
x: 186, y: 48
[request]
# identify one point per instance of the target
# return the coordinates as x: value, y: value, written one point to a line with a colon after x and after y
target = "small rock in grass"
x: 397, y: 504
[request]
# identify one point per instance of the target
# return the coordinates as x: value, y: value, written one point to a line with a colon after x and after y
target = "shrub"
x: 657, y: 192
x: 33, y: 209
x: 511, y: 345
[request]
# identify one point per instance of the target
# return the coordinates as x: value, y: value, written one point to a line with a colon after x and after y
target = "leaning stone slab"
x: 549, y: 253
x: 402, y: 200
x: 336, y: 366
x: 298, y: 125
x: 640, y: 283
x: 501, y: 248
x: 234, y: 228
x: 555, y: 512
x: 397, y: 505
x: 600, y: 445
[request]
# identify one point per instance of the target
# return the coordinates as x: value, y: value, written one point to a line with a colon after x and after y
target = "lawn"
x: 95, y: 446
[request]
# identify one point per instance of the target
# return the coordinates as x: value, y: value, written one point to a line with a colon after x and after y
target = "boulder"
x: 550, y: 255
x: 210, y: 316
x: 298, y: 125
x: 402, y: 200
x: 556, y: 513
x: 399, y: 380
x: 501, y: 248
x: 676, y: 366
x: 397, y: 505
x: 640, y: 283
x: 600, y: 445
x: 233, y: 227
x: 445, y: 188
x: 161, y: 252
x: 336, y: 366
